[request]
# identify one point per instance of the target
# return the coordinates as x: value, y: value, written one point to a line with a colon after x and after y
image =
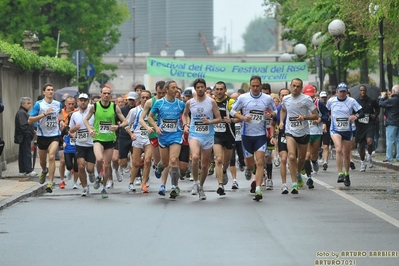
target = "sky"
x: 231, y: 17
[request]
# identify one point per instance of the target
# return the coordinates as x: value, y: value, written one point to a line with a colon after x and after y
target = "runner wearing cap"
x: 342, y: 110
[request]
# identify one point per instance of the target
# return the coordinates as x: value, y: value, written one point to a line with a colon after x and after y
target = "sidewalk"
x: 14, y: 188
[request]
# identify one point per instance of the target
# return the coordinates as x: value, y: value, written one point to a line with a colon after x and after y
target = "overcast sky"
x: 231, y: 17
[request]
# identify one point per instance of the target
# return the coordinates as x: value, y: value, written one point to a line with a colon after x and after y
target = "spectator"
x: 392, y: 121
x: 23, y: 136
x: 1, y: 107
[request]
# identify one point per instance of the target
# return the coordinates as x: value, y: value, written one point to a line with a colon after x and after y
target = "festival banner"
x: 228, y: 72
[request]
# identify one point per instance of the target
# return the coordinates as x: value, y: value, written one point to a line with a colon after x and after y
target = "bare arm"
x: 86, y: 121
x: 144, y: 113
x: 186, y: 118
x: 283, y: 113
x: 121, y: 117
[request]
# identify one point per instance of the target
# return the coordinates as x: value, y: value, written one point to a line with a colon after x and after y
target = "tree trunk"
x: 364, y: 70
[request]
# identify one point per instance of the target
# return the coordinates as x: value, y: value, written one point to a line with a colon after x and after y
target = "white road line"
x: 360, y: 203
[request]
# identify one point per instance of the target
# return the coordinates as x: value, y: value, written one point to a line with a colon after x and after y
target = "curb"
x: 32, y: 192
x: 379, y: 163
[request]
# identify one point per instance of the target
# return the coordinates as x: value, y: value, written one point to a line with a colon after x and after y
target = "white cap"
x: 323, y: 94
x: 83, y: 96
x: 132, y: 96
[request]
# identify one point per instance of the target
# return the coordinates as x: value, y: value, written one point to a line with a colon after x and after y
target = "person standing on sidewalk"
x: 392, y: 114
x: 365, y: 127
x: 47, y: 113
x: 24, y: 134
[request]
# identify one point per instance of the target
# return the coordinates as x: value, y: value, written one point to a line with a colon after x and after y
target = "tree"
x: 258, y: 36
x: 91, y: 25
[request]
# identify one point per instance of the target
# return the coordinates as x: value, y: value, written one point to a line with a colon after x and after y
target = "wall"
x: 15, y: 84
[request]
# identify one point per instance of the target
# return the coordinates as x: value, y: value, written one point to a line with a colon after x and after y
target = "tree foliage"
x: 258, y: 36
x: 91, y: 25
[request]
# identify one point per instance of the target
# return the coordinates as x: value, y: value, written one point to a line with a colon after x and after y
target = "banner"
x: 227, y: 72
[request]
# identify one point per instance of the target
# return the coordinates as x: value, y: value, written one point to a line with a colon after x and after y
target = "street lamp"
x: 381, y: 146
x: 285, y: 57
x: 317, y: 39
x: 300, y: 50
x: 336, y: 28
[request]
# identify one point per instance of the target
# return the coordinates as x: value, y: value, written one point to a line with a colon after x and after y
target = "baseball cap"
x: 132, y: 95
x: 83, y: 96
x: 188, y: 93
x: 308, y: 90
x: 323, y: 94
x: 342, y: 87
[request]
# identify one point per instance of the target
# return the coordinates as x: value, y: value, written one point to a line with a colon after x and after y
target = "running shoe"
x: 294, y: 189
x: 363, y: 166
x: 269, y: 184
x: 347, y: 181
x: 97, y: 182
x: 92, y: 177
x: 195, y: 189
x: 144, y: 188
x: 69, y: 175
x: 191, y: 178
x: 173, y: 193
x: 31, y: 174
x: 158, y: 170
x: 369, y: 161
x: 182, y: 176
x: 85, y: 191
x: 241, y: 167
x: 325, y: 166
x: 148, y: 183
x: 118, y: 175
x: 211, y: 169
x: 300, y: 180
x: 253, y: 186
x: 248, y: 174
x: 277, y: 162
x: 352, y: 165
x: 309, y: 183
x: 75, y: 186
x: 258, y: 195
x: 162, y: 190
x: 284, y: 189
x: 201, y: 194
x: 235, y: 185
x: 220, y: 190
x: 42, y: 177
x: 62, y: 185
x: 104, y: 194
x: 49, y: 188
x: 110, y: 184
x: 315, y: 167
x: 225, y: 179
x: 132, y: 188
x: 137, y: 181
x: 341, y: 178
x: 188, y: 175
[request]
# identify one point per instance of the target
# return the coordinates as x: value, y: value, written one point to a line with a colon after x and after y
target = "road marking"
x: 360, y: 203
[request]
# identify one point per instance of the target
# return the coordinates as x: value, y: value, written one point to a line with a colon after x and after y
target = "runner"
x: 103, y: 134
x: 365, y: 127
x: 204, y: 112
x: 342, y: 108
x: 141, y: 143
x: 47, y: 113
x: 253, y: 106
x: 281, y: 141
x: 297, y: 107
x: 224, y: 138
x: 84, y: 143
x: 169, y: 130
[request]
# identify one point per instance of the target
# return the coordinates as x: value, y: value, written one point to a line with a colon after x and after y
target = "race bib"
x: 238, y: 130
x: 72, y: 141
x: 220, y: 127
x: 283, y: 139
x: 105, y: 127
x: 257, y: 116
x: 51, y: 123
x: 83, y: 135
x: 342, y: 124
x: 313, y: 123
x: 169, y: 125
x: 268, y: 123
x: 365, y: 119
x: 201, y: 128
x: 295, y: 123
x: 143, y: 131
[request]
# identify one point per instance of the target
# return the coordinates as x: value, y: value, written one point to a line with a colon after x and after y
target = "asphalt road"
x: 314, y: 227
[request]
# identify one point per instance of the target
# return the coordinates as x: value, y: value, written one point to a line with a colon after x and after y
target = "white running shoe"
x: 132, y: 188
x: 269, y: 184
x: 85, y: 191
x: 110, y: 184
x: 69, y: 174
x: 363, y: 166
x: 195, y: 189
x: 137, y: 181
x: 369, y: 161
x: 75, y: 186
x: 31, y: 174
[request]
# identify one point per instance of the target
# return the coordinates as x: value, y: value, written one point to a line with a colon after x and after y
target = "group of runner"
x: 168, y: 133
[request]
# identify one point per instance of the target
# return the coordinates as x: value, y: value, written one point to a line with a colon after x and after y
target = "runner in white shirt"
x: 253, y: 106
x: 84, y: 143
x: 297, y: 107
x: 344, y: 110
x: 47, y: 113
